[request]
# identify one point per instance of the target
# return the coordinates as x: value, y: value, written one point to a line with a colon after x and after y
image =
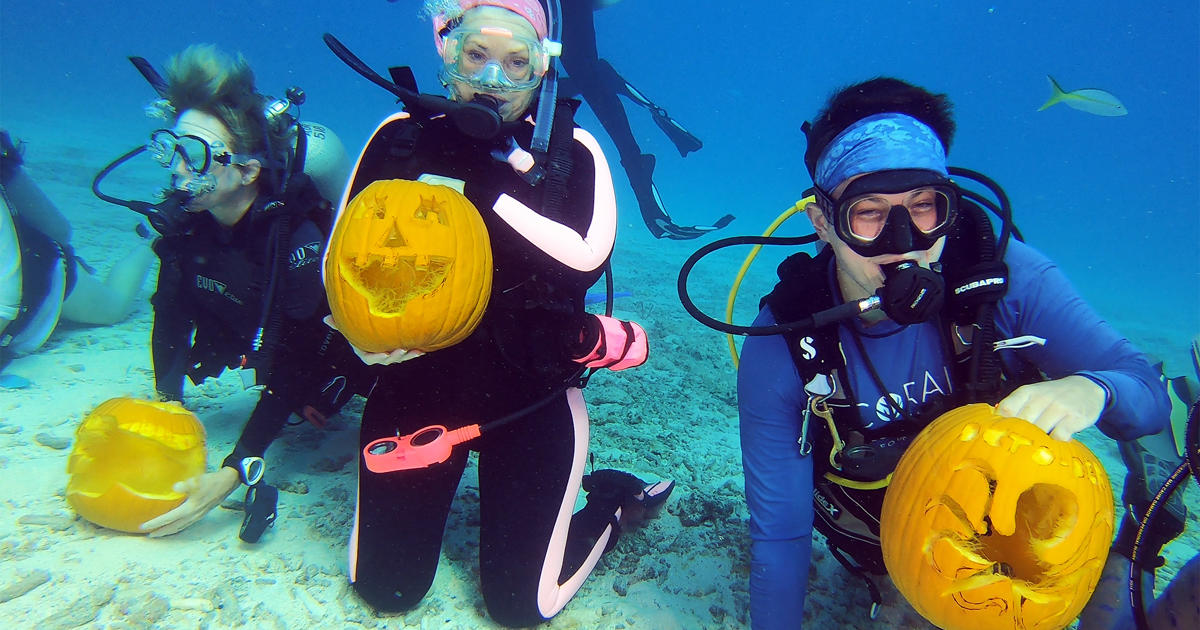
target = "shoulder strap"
x: 976, y: 281
x: 802, y: 290
x: 559, y: 163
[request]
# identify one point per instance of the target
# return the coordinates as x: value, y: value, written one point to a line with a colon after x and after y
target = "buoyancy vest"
x: 534, y: 299
x: 233, y: 280
x: 852, y: 464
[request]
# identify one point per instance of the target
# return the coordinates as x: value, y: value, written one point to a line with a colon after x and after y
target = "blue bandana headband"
x: 876, y: 143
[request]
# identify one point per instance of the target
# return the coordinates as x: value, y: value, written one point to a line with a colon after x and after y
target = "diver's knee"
x: 388, y: 598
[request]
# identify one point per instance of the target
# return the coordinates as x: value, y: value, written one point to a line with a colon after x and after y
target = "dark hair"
x: 877, y: 96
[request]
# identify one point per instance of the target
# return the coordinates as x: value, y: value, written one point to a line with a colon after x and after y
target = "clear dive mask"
x: 494, y: 59
x: 872, y: 225
x: 195, y: 154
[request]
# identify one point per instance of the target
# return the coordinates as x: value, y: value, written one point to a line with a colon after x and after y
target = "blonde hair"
x: 206, y: 79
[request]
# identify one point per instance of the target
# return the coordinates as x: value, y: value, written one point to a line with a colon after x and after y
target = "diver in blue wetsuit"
x: 890, y: 217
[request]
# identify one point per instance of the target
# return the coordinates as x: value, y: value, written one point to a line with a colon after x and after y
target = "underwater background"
x: 1113, y: 200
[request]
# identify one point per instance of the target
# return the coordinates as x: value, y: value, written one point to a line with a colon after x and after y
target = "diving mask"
x: 195, y: 153
x: 872, y: 225
x: 494, y: 59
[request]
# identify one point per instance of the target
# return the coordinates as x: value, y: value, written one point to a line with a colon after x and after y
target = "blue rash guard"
x: 911, y: 363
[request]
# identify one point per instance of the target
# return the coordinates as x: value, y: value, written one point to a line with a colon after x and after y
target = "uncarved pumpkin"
x: 409, y: 266
x: 989, y: 523
x: 128, y: 454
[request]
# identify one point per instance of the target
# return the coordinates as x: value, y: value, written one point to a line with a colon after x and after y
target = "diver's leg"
x: 528, y: 482
x: 93, y: 302
x: 400, y: 516
x: 1179, y: 605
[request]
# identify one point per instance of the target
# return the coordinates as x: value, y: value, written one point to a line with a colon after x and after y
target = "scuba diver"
x: 242, y: 226
x: 601, y: 86
x: 545, y: 194
x: 42, y: 280
x: 912, y: 307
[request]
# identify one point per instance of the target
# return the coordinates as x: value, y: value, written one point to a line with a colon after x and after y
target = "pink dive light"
x: 426, y: 447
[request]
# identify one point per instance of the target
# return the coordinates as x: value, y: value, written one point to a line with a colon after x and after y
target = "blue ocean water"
x: 1113, y: 200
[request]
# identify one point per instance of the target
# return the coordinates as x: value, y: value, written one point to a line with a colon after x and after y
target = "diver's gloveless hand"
x: 1061, y: 408
x: 204, y: 492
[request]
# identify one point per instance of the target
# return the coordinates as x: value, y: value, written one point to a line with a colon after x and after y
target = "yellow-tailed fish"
x: 1088, y: 100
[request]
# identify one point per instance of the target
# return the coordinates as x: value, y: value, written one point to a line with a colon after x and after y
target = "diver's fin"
x: 684, y: 141
x: 654, y: 213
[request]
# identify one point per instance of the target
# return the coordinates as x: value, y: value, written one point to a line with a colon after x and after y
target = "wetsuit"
x: 912, y: 364
x: 529, y: 469
x: 212, y: 283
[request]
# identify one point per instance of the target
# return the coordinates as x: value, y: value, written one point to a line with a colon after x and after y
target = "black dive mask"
x: 167, y: 216
x: 873, y: 226
x: 911, y: 293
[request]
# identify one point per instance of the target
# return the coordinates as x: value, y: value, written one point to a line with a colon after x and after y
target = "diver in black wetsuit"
x: 550, y: 241
x: 599, y: 84
x: 239, y: 283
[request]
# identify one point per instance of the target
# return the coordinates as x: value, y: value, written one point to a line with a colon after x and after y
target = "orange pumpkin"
x: 989, y: 523
x: 128, y: 455
x: 409, y: 266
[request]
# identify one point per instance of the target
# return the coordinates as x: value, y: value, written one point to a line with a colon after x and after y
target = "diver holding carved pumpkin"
x: 241, y: 229
x: 548, y: 218
x: 893, y: 221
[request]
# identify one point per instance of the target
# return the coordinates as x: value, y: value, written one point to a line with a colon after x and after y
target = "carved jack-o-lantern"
x: 409, y: 266
x: 127, y: 457
x: 989, y: 523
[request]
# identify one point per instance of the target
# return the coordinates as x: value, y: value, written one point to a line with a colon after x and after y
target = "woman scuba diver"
x: 242, y: 227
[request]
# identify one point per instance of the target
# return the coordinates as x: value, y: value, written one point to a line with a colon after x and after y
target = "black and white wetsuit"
x: 534, y: 554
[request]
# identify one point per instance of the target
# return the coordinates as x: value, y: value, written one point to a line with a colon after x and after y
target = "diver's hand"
x: 1061, y: 408
x: 204, y: 492
x: 398, y: 355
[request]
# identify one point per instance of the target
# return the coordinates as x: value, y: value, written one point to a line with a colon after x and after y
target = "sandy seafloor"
x: 675, y: 417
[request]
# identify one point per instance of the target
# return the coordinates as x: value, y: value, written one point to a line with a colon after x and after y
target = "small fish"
x: 600, y: 298
x: 1088, y: 100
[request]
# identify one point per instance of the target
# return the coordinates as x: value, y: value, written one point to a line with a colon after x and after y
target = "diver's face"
x: 510, y: 55
x: 860, y: 276
x: 233, y: 187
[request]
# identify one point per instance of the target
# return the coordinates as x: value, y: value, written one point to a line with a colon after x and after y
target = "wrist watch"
x: 250, y: 470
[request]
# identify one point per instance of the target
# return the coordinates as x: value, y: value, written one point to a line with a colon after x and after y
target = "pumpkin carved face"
x: 409, y: 266
x: 127, y: 457
x: 989, y: 523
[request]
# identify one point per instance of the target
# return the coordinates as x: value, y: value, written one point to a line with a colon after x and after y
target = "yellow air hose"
x: 799, y: 206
